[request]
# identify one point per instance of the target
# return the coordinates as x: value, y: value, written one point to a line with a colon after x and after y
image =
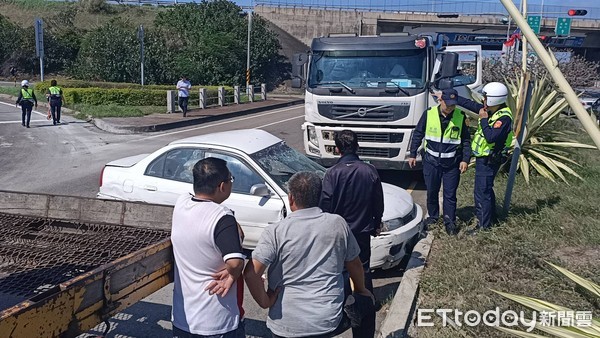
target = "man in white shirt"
x: 206, y: 246
x: 183, y: 88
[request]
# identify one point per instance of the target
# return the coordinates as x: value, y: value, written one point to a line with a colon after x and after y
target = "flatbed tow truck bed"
x: 69, y: 263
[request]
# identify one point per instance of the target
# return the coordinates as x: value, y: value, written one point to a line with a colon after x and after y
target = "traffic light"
x: 577, y: 12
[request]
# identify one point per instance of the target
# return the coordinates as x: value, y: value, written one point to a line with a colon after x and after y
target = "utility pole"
x: 141, y: 38
x: 39, y: 44
x: 248, y: 88
x: 552, y: 65
x: 524, y: 55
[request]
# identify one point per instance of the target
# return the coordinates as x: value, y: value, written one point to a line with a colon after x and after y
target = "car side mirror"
x: 296, y: 82
x: 260, y: 189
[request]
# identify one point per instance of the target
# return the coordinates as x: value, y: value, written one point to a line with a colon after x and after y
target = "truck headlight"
x: 396, y: 223
x: 312, y: 135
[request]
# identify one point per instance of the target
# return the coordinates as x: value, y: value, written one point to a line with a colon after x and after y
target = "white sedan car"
x: 261, y: 164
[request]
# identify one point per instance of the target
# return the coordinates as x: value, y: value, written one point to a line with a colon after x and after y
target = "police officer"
x: 490, y: 144
x: 55, y: 99
x: 27, y: 100
x: 447, y: 154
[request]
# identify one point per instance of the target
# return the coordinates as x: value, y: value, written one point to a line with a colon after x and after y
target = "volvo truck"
x: 379, y: 87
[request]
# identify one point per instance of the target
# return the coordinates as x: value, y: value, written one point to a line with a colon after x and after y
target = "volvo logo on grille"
x: 362, y: 112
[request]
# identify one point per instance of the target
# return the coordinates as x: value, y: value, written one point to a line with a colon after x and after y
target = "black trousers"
x: 367, y: 327
x: 55, y: 111
x: 183, y: 104
x: 26, y: 108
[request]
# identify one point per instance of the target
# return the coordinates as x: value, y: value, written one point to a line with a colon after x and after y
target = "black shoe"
x: 23, y: 124
x: 451, y: 229
x: 54, y: 122
x: 477, y: 229
x: 27, y: 126
x: 429, y: 221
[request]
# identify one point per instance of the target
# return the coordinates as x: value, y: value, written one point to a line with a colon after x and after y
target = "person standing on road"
x: 353, y: 190
x: 13, y: 74
x: 183, y: 88
x: 27, y: 100
x: 490, y: 144
x: 206, y: 246
x: 305, y: 254
x: 447, y: 153
x: 55, y: 99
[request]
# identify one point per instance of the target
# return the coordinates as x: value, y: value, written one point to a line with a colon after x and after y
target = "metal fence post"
x: 171, y: 101
x: 202, y: 98
x: 250, y: 91
x: 221, y: 96
x: 236, y: 94
x: 263, y: 91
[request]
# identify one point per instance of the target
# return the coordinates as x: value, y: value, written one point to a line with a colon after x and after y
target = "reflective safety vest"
x: 27, y: 94
x: 480, y: 146
x: 443, y: 146
x: 54, y: 92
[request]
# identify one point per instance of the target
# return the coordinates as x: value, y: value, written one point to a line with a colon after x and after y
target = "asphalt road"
x: 67, y: 159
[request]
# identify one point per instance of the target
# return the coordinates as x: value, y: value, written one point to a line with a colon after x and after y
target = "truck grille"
x: 383, y: 113
x: 37, y: 254
x: 378, y: 152
x: 380, y: 137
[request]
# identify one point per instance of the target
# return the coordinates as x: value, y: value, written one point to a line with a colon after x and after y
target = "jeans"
x: 183, y: 104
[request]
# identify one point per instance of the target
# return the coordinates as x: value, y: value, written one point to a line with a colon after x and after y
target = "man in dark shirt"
x: 353, y: 190
x: 447, y: 152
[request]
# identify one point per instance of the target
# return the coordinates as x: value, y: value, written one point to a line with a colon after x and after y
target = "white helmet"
x: 24, y: 83
x: 495, y: 93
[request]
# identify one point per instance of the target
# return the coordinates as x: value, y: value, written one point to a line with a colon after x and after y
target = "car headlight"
x: 396, y: 223
x: 312, y: 135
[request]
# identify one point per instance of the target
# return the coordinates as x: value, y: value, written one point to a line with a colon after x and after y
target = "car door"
x: 168, y: 176
x: 252, y: 212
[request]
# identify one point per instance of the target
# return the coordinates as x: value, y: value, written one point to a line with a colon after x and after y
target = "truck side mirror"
x: 449, y: 67
x: 298, y: 62
x: 444, y: 84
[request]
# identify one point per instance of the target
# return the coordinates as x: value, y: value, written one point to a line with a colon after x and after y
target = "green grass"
x: 557, y: 222
x: 14, y: 91
x: 114, y: 111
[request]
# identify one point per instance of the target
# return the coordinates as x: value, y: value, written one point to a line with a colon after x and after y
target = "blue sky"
x: 551, y: 7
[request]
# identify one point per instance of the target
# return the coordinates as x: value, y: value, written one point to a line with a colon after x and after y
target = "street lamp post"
x: 248, y: 87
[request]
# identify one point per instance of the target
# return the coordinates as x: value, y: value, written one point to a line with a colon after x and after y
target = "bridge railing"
x: 480, y: 7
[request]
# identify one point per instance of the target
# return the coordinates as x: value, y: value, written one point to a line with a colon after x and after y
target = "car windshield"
x: 280, y: 162
x: 370, y: 69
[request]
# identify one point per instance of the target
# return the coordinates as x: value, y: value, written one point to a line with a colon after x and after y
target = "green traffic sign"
x: 563, y: 26
x: 535, y: 22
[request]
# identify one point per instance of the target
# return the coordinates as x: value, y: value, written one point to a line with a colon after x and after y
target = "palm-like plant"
x: 567, y: 331
x: 545, y: 149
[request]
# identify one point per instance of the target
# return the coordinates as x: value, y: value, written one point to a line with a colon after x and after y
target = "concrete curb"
x: 116, y: 129
x: 399, y: 317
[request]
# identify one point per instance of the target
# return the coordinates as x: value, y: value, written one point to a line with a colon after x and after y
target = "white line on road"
x: 34, y: 111
x: 6, y: 122
x: 272, y: 123
x: 216, y: 124
x: 411, y: 187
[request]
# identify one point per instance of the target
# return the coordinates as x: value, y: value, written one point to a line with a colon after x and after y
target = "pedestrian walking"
x: 353, y: 190
x: 490, y: 144
x: 183, y: 91
x: 13, y: 74
x: 54, y: 94
x: 306, y: 254
x: 27, y: 101
x: 447, y: 152
x: 208, y: 257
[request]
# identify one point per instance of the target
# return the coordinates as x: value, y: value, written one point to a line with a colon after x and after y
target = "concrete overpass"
x: 297, y: 26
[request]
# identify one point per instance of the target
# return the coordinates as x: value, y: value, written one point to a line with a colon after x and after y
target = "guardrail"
x: 239, y: 95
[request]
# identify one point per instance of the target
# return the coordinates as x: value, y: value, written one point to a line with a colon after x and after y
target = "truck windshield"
x: 369, y: 69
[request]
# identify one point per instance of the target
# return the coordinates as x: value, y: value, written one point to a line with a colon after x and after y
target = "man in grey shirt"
x: 306, y: 254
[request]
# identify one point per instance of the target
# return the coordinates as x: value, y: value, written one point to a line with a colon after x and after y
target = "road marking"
x: 411, y: 187
x: 33, y: 111
x: 216, y: 124
x: 272, y: 123
x: 6, y: 122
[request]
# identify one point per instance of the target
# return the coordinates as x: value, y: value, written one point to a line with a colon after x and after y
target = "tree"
x: 210, y: 43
